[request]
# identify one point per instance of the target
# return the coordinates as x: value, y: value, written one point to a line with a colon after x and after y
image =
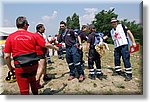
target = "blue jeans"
x: 73, y: 60
x: 124, y: 52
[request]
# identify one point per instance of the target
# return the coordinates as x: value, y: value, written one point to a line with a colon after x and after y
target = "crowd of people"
x: 30, y: 52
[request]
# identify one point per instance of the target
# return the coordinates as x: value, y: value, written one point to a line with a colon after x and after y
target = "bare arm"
x: 79, y: 39
x: 50, y: 46
x: 105, y: 37
x: 87, y: 48
x: 131, y: 37
x: 7, y: 58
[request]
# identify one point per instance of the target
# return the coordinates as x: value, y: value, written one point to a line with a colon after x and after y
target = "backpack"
x: 127, y: 36
x: 98, y: 38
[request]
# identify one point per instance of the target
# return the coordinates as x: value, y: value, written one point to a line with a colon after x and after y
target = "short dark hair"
x: 84, y: 26
x: 62, y: 22
x: 20, y: 21
x: 39, y: 26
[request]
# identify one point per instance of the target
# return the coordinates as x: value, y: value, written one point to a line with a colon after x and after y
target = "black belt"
x: 24, y: 59
x: 26, y: 65
x: 27, y: 75
x: 41, y: 56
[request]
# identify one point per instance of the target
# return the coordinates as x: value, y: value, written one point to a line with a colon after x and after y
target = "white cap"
x: 114, y: 20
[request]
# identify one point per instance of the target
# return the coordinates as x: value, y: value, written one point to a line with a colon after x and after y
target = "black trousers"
x: 81, y: 56
x: 93, y: 56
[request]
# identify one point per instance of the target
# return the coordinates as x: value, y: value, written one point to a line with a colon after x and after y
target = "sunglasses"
x: 62, y: 26
x: 27, y: 24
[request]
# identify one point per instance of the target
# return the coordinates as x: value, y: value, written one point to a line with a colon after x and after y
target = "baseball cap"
x: 114, y: 20
x: 91, y: 26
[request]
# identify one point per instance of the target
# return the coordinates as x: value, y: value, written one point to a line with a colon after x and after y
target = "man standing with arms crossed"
x: 22, y: 46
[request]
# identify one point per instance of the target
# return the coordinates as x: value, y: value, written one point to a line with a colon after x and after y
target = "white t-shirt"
x: 44, y: 36
x: 118, y: 35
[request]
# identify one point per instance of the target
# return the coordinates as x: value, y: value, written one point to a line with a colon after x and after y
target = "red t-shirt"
x: 23, y: 42
x: 40, y: 50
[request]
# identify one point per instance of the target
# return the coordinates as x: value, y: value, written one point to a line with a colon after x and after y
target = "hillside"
x: 108, y: 86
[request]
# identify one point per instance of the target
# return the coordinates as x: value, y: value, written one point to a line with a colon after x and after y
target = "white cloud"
x: 89, y: 15
x: 50, y: 18
x: 45, y: 18
x: 54, y: 15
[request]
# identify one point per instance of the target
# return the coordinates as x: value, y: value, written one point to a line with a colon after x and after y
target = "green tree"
x: 102, y: 22
x: 73, y: 22
x: 136, y: 29
x: 69, y: 22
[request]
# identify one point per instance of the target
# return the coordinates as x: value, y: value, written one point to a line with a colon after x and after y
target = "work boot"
x: 115, y: 73
x: 92, y: 76
x: 100, y: 76
x: 128, y: 77
x: 81, y: 78
x: 71, y: 78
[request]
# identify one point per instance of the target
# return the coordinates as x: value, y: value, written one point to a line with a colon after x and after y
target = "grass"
x: 113, y: 85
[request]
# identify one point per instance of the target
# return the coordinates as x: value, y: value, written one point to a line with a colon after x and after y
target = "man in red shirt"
x: 22, y: 45
x: 41, y: 52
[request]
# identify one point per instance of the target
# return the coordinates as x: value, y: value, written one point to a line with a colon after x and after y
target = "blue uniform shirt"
x: 70, y: 37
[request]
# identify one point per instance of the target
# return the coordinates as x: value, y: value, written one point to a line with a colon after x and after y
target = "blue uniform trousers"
x: 73, y: 60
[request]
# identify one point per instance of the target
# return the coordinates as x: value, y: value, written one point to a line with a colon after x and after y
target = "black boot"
x: 128, y: 77
x: 100, y: 76
x: 92, y: 76
x: 115, y: 73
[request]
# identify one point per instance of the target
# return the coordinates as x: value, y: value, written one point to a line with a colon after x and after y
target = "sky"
x: 51, y: 13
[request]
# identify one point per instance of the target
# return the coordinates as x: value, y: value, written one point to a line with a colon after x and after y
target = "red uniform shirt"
x: 23, y: 42
x: 40, y: 50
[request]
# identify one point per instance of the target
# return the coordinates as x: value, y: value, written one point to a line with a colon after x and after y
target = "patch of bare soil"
x: 110, y: 85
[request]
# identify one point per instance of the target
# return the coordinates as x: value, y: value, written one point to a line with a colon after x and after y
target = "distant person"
x: 84, y: 38
x: 119, y: 35
x: 72, y: 53
x: 22, y: 45
x: 60, y: 45
x: 52, y: 40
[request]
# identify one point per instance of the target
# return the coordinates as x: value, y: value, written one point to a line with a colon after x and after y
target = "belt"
x: 27, y: 75
x: 26, y: 65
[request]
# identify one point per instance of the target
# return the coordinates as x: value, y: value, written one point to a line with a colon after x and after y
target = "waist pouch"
x: 26, y: 65
x: 26, y: 59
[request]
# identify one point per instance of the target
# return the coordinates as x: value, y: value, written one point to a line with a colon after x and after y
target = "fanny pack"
x: 26, y: 59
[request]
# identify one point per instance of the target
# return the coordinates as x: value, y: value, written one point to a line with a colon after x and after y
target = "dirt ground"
x: 110, y: 85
